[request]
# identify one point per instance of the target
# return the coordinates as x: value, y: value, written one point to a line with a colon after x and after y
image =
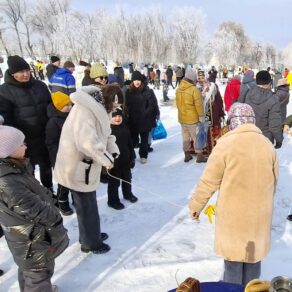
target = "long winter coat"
x: 53, y: 131
x: 31, y: 223
x: 282, y: 94
x: 86, y: 134
x: 24, y: 106
x: 266, y: 107
x: 245, y: 177
x: 189, y: 103
x: 231, y: 94
x: 142, y: 109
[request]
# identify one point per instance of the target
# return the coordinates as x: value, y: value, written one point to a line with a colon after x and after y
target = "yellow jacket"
x: 189, y: 103
x: 289, y: 79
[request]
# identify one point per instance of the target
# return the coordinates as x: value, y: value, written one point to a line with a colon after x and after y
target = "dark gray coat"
x: 282, y: 94
x: 32, y: 225
x: 247, y: 83
x: 267, y: 112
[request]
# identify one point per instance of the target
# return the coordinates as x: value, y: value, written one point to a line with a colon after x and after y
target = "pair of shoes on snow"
x: 103, y: 248
x: 64, y: 208
x: 131, y: 198
x: 116, y: 205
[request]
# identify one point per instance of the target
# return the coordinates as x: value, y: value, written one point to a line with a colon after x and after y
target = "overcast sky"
x: 263, y: 20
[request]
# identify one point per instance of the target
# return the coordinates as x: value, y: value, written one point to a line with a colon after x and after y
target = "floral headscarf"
x: 239, y: 114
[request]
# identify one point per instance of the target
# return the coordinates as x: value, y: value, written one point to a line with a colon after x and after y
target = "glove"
x: 202, y: 119
x: 278, y: 145
x: 132, y: 164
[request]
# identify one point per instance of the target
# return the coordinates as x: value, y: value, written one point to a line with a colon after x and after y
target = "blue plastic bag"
x: 159, y: 131
x: 202, y: 135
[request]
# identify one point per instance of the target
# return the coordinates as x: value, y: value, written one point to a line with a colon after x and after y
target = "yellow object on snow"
x: 210, y: 210
x: 257, y: 285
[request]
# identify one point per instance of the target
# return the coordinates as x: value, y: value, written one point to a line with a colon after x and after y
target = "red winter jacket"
x: 231, y: 94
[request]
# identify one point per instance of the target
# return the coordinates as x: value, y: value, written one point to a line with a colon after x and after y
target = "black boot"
x: 289, y: 217
x: 99, y: 250
x: 131, y: 198
x: 188, y: 156
x: 116, y: 205
x: 1, y: 272
x: 64, y: 207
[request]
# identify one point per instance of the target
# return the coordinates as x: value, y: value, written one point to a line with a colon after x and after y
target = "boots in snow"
x: 188, y: 156
x: 201, y: 158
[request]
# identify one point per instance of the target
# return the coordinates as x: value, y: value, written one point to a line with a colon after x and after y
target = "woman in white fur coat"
x: 86, y: 144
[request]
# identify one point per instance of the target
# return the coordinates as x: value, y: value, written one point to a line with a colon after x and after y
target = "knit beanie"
x: 69, y: 64
x: 16, y: 64
x: 239, y: 114
x: 97, y: 70
x: 54, y: 59
x: 60, y: 99
x: 117, y: 112
x: 136, y: 75
x: 263, y: 77
x: 83, y: 63
x: 191, y: 75
x: 10, y: 140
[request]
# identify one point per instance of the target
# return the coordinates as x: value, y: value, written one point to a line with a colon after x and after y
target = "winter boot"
x: 188, y: 156
x: 1, y: 273
x: 289, y: 217
x: 201, y: 158
x: 64, y: 207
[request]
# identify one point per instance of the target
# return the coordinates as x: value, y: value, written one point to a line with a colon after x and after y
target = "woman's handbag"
x: 224, y: 128
x: 159, y: 131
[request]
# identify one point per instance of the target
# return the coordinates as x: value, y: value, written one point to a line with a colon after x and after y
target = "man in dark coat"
x: 53, y: 66
x: 169, y: 75
x: 23, y: 104
x: 32, y: 225
x: 266, y: 107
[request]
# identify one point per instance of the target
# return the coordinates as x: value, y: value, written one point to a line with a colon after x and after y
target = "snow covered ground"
x: 154, y: 242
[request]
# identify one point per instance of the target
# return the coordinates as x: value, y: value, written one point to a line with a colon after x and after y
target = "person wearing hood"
x: 282, y: 93
x: 32, y: 225
x: 232, y: 92
x: 266, y: 107
x: 23, y: 104
x: 86, y: 144
x: 248, y: 82
x: 53, y: 66
x: 243, y: 168
x: 190, y: 108
x: 63, y: 80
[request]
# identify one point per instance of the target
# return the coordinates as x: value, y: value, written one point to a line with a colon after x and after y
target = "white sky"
x: 263, y: 20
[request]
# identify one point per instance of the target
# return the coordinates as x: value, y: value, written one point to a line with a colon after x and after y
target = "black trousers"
x: 62, y: 194
x: 45, y: 170
x: 114, y: 184
x: 36, y: 281
x: 143, y: 145
x: 88, y: 219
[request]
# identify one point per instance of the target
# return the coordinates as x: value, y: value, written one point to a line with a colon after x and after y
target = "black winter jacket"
x: 142, y: 109
x: 124, y: 142
x: 24, y: 106
x: 51, y: 69
x: 267, y: 112
x: 53, y: 131
x: 32, y: 225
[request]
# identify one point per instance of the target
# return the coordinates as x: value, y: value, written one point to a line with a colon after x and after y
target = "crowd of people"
x: 88, y: 135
